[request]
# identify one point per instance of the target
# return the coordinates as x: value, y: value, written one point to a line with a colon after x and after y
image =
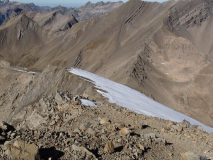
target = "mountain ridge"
x: 82, y: 13
x: 49, y: 117
x: 135, y: 45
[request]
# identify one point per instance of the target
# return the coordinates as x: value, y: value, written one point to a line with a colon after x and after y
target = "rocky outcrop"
x: 20, y: 149
x: 30, y: 94
x: 188, y: 14
x: 25, y: 24
x: 4, y: 63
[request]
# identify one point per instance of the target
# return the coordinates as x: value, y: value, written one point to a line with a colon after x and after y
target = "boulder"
x: 150, y: 135
x: 21, y: 150
x: 138, y: 124
x: 109, y: 147
x: 58, y: 98
x: 3, y: 126
x: 4, y: 63
x: 141, y: 147
x: 104, y: 121
x: 124, y: 131
x: 177, y: 128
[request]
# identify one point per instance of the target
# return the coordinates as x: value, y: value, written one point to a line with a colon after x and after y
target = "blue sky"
x: 66, y: 3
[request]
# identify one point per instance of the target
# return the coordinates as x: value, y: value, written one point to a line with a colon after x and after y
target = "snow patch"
x: 87, y: 102
x: 24, y: 71
x: 134, y: 100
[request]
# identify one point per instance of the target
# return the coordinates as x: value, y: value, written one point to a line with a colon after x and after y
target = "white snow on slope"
x: 19, y: 70
x: 134, y: 100
x: 87, y: 102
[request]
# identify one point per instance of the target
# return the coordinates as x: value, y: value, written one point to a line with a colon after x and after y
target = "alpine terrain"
x: 107, y: 80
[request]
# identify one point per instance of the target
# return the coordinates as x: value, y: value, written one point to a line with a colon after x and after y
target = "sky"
x: 66, y: 3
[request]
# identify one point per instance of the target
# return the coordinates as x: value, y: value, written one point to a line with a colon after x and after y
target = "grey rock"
x: 76, y: 148
x: 177, y: 128
x: 190, y: 156
x: 150, y: 135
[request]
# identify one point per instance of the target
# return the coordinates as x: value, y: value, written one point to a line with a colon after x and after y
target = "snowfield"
x: 134, y: 100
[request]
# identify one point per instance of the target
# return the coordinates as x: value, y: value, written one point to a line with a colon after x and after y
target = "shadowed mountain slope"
x: 6, y: 8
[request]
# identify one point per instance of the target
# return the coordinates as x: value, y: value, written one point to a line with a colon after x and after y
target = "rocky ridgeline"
x: 107, y: 131
x: 187, y: 14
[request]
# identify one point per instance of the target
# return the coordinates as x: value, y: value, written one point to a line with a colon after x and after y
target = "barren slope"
x: 42, y: 117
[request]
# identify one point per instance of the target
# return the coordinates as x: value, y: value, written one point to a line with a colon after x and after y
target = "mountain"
x: 55, y: 20
x: 83, y: 13
x: 16, y: 33
x: 54, y: 113
x: 155, y: 48
x: 6, y: 8
x: 32, y: 28
x: 134, y: 83
x: 90, y: 9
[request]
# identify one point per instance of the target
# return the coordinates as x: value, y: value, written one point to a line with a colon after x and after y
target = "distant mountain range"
x: 86, y: 11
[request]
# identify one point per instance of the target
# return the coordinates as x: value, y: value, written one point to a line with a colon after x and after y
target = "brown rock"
x: 143, y: 118
x: 82, y: 127
x: 124, y: 131
x: 177, y: 128
x: 58, y: 98
x: 75, y: 103
x: 4, y: 63
x: 118, y: 126
x: 170, y: 154
x: 3, y: 125
x: 170, y: 123
x: 90, y: 131
x: 20, y: 149
x: 141, y: 147
x: 109, y: 147
x: 104, y: 121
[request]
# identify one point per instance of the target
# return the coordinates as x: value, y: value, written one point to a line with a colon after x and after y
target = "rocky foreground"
x: 107, y: 131
x: 56, y: 125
